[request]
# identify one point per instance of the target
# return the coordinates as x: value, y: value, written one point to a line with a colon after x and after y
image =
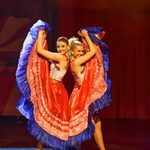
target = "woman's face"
x: 62, y: 47
x: 78, y: 51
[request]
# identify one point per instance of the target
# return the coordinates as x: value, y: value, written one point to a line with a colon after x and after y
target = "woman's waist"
x: 56, y: 80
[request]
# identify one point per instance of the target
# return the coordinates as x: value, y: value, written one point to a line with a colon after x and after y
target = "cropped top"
x: 56, y: 73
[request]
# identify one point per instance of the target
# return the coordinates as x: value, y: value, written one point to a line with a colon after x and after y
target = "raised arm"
x: 92, y: 50
x: 45, y: 53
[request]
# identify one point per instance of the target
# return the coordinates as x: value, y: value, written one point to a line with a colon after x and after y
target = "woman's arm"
x: 92, y: 50
x: 45, y: 53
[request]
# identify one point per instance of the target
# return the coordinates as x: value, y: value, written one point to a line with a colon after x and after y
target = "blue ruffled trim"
x: 24, y: 105
x: 54, y: 142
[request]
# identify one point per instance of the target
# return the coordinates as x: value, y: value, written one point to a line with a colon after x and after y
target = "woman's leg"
x: 40, y: 146
x: 98, y: 136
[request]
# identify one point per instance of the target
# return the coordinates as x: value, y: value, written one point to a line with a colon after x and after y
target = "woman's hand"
x: 83, y: 33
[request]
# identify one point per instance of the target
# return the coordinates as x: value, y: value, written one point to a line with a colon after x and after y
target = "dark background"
x: 127, y: 34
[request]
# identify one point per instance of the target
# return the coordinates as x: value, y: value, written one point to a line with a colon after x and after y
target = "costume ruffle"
x: 25, y: 106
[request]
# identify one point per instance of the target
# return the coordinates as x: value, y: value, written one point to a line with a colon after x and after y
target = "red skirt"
x: 92, y: 88
x: 50, y: 99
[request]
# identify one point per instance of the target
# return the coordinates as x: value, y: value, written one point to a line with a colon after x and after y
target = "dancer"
x: 90, y: 87
x: 59, y: 65
x: 39, y: 77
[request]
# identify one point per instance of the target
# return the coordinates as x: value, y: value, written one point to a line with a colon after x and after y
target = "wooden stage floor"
x: 119, y: 134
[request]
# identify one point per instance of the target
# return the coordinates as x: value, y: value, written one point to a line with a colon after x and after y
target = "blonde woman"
x: 87, y: 68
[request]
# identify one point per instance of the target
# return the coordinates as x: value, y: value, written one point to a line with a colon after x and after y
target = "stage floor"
x: 119, y: 134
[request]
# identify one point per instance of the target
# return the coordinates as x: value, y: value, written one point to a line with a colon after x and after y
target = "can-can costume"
x: 53, y: 119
